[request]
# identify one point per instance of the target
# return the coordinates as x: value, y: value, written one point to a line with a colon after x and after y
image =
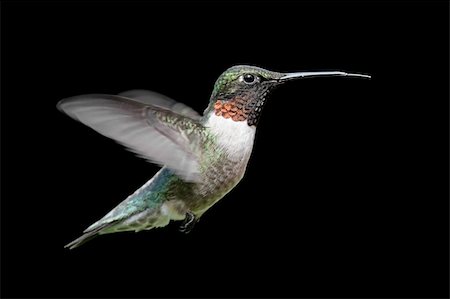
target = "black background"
x: 346, y: 193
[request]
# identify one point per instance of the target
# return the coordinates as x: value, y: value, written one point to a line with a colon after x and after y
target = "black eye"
x: 249, y: 78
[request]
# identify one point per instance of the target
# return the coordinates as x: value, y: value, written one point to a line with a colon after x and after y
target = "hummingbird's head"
x: 240, y: 92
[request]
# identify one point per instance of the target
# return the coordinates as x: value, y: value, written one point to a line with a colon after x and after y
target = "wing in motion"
x: 152, y: 98
x: 148, y: 125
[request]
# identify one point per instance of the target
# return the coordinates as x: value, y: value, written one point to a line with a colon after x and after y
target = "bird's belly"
x: 218, y: 181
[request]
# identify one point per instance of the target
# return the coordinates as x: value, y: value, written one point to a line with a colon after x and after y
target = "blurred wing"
x: 161, y: 101
x: 158, y: 135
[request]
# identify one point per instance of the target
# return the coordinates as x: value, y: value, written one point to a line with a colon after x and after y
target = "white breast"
x: 234, y: 137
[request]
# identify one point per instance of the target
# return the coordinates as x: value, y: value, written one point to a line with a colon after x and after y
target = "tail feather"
x: 88, y: 235
x: 81, y: 240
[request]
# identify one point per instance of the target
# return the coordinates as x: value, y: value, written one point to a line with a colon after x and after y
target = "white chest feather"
x: 234, y: 137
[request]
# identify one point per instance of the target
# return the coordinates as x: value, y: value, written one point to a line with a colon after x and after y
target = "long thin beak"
x: 290, y: 76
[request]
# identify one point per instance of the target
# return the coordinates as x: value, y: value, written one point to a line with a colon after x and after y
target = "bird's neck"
x: 234, y: 137
x: 241, y: 107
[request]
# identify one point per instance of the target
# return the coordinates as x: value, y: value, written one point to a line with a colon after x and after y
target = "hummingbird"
x: 202, y: 157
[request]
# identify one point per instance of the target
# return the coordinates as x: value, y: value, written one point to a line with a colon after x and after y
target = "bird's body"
x: 203, y: 157
x: 166, y: 197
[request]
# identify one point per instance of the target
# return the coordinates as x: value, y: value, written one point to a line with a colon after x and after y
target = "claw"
x: 188, y: 223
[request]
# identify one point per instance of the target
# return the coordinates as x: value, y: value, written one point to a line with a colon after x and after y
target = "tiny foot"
x: 188, y: 223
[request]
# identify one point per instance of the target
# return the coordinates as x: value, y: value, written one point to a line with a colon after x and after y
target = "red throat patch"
x: 234, y: 109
